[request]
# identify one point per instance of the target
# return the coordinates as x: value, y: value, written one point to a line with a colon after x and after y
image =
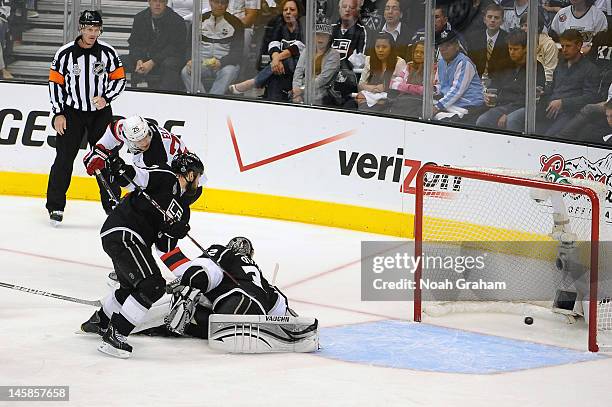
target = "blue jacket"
x: 459, y: 83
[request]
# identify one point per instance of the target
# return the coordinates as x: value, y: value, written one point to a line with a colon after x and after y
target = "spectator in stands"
x: 371, y: 14
x: 409, y: 85
x: 442, y: 28
x: 508, y: 111
x: 488, y: 48
x: 5, y: 11
x: 350, y: 37
x: 600, y: 54
x: 513, y: 11
x: 382, y: 67
x: 581, y: 16
x: 574, y: 86
x: 550, y: 8
x: 326, y: 66
x: 222, y: 36
x: 458, y: 89
x: 393, y: 25
x: 547, y: 52
x: 593, y: 123
x: 157, y: 47
x: 284, y: 49
x: 474, y: 21
x: 31, y: 6
x: 6, y: 74
x: 605, y: 6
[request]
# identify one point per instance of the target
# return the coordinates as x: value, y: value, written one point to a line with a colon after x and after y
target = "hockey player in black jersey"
x: 229, y: 278
x: 128, y: 235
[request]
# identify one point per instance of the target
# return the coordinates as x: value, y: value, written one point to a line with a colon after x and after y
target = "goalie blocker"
x: 262, y: 333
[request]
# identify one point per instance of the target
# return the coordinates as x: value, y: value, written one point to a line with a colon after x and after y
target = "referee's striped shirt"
x: 78, y: 74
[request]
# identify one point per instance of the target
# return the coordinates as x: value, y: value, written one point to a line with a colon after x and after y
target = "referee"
x: 86, y: 75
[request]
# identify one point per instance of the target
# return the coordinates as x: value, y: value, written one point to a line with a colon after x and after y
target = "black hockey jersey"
x: 137, y: 215
x: 242, y: 273
x: 231, y: 273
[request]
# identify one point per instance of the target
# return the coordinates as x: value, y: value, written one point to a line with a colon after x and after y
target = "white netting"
x: 537, y: 242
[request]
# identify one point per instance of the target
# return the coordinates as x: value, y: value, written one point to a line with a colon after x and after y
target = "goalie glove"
x: 95, y: 159
x: 182, y: 308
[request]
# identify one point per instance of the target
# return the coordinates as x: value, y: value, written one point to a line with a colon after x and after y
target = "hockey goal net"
x: 520, y: 239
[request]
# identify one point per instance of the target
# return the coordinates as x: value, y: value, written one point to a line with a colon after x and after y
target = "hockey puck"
x: 528, y: 320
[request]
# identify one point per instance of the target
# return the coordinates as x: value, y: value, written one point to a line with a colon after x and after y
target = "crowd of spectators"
x: 369, y: 55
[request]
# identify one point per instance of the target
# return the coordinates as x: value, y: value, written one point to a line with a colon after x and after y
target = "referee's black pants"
x: 78, y: 123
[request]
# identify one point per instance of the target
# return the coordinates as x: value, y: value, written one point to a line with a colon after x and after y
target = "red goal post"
x: 482, y: 186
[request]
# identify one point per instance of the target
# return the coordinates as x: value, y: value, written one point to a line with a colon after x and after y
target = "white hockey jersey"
x: 164, y: 145
x: 589, y: 24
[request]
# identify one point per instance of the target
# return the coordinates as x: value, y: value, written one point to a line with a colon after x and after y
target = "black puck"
x: 528, y: 320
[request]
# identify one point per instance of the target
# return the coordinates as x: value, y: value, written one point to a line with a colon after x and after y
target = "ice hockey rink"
x: 371, y: 353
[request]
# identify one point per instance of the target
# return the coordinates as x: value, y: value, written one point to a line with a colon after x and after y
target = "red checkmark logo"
x: 289, y: 153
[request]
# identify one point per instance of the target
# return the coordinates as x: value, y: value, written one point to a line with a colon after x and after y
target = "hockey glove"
x: 116, y: 165
x: 177, y: 230
x: 94, y: 160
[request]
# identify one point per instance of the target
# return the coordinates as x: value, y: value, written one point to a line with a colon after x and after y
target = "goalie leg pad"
x: 262, y: 333
x: 182, y: 308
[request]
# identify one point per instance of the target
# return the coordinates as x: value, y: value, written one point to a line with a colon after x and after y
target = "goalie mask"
x: 242, y: 246
x: 137, y: 134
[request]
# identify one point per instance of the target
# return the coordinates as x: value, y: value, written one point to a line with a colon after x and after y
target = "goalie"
x: 230, y: 280
x: 223, y: 296
x: 224, y: 290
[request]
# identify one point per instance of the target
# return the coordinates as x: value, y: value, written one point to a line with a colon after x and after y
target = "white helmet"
x: 135, y: 129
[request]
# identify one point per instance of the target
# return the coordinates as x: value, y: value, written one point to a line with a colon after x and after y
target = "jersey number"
x: 256, y: 274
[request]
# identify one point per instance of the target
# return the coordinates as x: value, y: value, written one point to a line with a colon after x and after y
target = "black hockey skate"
x: 114, y: 344
x: 56, y: 217
x: 94, y: 325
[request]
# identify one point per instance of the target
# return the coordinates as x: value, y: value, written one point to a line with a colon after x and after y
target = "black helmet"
x: 184, y: 162
x: 241, y: 245
x: 90, y: 17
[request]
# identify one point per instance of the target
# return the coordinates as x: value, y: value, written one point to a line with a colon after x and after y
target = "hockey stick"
x: 105, y: 184
x: 96, y: 303
x: 274, y: 274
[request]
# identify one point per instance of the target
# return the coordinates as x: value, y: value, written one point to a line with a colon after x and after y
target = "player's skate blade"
x: 114, y: 344
x: 112, y: 351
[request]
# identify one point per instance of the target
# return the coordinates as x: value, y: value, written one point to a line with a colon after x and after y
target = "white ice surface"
x: 38, y: 345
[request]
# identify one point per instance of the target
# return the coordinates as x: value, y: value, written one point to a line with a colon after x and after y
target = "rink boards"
x: 309, y: 165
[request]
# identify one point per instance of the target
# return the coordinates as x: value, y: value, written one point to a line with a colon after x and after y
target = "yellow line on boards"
x: 242, y: 203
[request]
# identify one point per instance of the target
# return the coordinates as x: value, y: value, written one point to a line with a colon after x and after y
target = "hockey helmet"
x: 137, y: 133
x: 184, y: 162
x: 90, y: 17
x: 241, y: 245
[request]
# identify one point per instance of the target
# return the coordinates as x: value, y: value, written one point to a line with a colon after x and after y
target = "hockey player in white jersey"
x: 148, y: 143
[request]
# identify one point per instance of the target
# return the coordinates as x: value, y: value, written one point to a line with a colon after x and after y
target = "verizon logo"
x: 390, y: 168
